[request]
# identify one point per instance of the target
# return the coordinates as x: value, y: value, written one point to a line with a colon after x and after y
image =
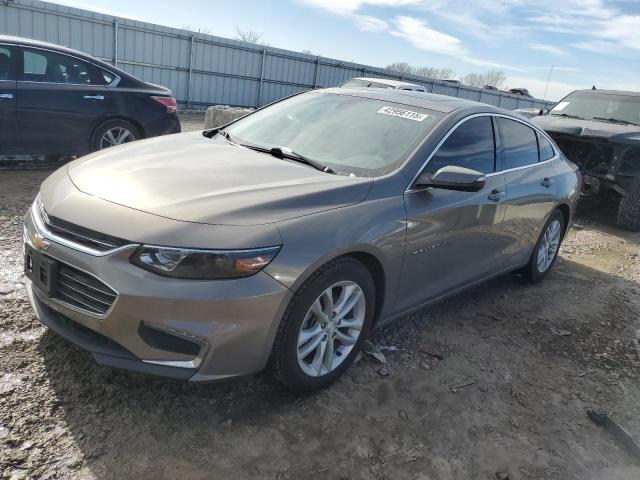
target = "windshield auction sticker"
x: 560, y: 106
x: 402, y: 113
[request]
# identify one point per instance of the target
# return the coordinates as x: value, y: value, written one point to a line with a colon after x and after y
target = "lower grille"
x: 83, y: 291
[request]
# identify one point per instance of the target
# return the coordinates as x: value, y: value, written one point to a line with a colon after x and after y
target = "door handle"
x: 94, y: 97
x: 496, y: 195
x: 547, y: 182
x: 6, y: 95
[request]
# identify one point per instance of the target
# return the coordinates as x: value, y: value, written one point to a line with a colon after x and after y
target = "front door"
x: 9, y: 138
x: 60, y: 100
x: 455, y: 238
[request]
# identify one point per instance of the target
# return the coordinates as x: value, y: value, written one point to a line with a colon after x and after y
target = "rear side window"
x: 546, y: 150
x: 5, y: 63
x: 519, y: 144
x: 51, y: 67
x: 471, y: 145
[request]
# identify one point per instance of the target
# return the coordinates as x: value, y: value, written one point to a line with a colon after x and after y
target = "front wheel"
x: 112, y: 133
x: 629, y: 209
x: 324, y: 326
x: 546, y: 249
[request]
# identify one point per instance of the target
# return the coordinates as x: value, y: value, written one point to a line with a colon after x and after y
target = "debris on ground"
x: 604, y: 420
x: 370, y: 349
x: 426, y: 351
x: 463, y: 385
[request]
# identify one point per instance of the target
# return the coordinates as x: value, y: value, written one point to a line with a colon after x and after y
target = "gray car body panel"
x: 428, y: 243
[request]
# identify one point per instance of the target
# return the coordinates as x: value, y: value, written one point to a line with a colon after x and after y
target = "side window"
x: 5, y: 63
x: 519, y: 144
x: 104, y: 77
x: 471, y: 145
x: 51, y: 67
x: 546, y: 150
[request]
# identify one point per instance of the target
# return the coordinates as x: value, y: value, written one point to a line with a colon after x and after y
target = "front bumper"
x: 234, y: 321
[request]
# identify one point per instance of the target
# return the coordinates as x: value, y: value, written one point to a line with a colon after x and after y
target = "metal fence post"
x: 115, y: 43
x: 190, y: 73
x: 264, y: 58
x: 315, y: 76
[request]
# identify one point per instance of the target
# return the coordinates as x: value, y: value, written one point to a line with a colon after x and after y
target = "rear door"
x: 61, y: 98
x: 531, y: 185
x: 9, y: 138
x: 455, y: 238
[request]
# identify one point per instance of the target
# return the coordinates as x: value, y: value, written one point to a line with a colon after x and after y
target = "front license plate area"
x: 41, y: 270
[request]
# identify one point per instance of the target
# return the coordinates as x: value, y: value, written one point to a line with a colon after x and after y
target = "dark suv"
x: 599, y: 130
x: 57, y: 101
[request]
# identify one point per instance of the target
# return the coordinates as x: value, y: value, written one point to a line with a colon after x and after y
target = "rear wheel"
x: 114, y: 132
x: 546, y: 249
x: 629, y: 209
x: 324, y: 326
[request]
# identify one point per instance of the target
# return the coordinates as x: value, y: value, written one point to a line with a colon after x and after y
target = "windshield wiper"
x: 567, y: 115
x: 615, y: 120
x: 284, y: 152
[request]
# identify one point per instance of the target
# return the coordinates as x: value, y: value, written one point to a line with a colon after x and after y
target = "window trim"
x: 497, y: 172
x: 13, y: 62
x: 21, y: 48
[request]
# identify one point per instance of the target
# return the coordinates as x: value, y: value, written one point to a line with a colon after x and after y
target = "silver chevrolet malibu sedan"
x: 282, y: 239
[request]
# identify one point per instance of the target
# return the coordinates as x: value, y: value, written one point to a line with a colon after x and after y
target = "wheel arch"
x: 106, y: 119
x: 566, y: 214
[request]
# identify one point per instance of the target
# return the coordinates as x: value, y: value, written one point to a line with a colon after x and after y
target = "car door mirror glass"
x: 452, y: 177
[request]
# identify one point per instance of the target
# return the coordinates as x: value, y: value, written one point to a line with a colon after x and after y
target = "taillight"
x: 169, y: 102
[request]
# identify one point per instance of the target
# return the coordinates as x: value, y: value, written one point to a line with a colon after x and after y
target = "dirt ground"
x: 521, y: 364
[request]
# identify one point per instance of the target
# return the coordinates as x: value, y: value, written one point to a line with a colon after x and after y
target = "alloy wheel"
x: 116, y: 136
x: 331, y: 328
x: 549, y: 245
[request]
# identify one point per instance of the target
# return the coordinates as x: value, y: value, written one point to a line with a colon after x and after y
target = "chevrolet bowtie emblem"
x: 39, y: 242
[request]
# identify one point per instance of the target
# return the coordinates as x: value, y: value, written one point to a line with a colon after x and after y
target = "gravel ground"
x: 520, y: 366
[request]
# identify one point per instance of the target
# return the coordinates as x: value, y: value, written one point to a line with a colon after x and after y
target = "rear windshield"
x: 352, y: 135
x: 600, y: 107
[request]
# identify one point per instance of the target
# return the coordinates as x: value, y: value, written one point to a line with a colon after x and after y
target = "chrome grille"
x: 82, y: 290
x: 77, y: 234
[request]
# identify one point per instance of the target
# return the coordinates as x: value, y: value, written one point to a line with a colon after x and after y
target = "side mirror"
x: 452, y: 178
x: 543, y: 111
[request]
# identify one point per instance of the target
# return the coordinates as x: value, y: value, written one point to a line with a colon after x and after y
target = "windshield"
x: 600, y: 107
x: 351, y: 135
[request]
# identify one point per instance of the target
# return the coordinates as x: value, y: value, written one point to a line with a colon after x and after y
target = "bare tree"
x: 250, y: 36
x: 495, y: 78
x: 429, y: 72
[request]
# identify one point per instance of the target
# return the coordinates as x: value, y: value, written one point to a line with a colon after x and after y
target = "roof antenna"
x: 593, y: 88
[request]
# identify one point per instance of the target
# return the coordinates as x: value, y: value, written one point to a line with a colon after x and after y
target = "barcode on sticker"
x: 401, y: 112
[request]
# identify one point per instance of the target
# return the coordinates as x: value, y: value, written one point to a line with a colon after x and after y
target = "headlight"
x: 203, y: 264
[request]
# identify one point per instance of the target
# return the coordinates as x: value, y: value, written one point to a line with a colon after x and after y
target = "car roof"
x: 609, y: 92
x: 429, y: 101
x: 394, y: 83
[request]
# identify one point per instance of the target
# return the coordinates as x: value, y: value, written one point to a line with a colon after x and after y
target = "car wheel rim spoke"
x: 116, y: 136
x: 548, y: 246
x: 331, y: 328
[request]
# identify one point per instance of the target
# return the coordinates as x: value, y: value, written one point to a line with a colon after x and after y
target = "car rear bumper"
x: 187, y: 330
x: 163, y: 125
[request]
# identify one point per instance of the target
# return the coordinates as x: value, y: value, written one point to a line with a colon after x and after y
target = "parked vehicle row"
x: 57, y: 101
x: 292, y: 232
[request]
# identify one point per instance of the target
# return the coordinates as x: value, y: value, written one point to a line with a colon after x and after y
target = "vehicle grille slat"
x: 77, y: 234
x: 83, y: 291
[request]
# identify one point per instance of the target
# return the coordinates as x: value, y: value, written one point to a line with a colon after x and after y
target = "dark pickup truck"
x: 599, y: 130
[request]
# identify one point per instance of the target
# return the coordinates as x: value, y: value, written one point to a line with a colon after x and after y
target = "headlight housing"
x: 199, y: 264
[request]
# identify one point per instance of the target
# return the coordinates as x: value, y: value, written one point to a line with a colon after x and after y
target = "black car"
x: 57, y: 101
x: 599, y: 130
x: 523, y: 92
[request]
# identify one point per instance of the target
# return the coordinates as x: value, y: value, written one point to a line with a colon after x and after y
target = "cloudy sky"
x: 589, y: 42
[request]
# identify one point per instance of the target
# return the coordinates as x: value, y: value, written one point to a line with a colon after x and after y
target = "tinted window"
x: 546, y: 150
x: 51, y: 67
x: 5, y: 63
x: 106, y: 77
x: 519, y: 144
x: 471, y: 145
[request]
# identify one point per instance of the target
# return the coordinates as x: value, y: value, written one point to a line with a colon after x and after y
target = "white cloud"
x: 367, y: 23
x: 418, y: 33
x: 351, y: 6
x: 552, y: 49
x: 622, y: 30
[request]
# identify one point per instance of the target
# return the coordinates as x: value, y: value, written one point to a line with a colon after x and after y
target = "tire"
x: 101, y: 140
x: 629, y: 209
x: 532, y: 270
x: 338, y: 276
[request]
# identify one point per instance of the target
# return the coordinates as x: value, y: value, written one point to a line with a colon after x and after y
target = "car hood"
x: 191, y: 178
x: 589, y: 128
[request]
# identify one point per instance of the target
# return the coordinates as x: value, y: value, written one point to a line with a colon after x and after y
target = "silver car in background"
x: 284, y: 238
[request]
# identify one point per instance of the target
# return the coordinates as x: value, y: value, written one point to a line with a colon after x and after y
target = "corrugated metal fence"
x: 204, y: 69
